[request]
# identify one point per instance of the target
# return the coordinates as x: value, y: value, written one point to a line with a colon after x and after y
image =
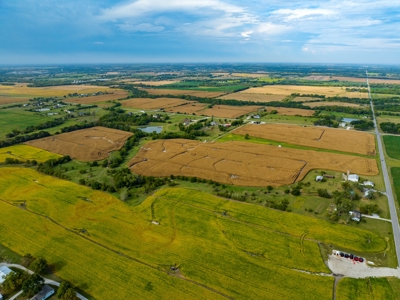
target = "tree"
x: 32, y: 285
x: 124, y: 194
x: 12, y: 282
x: 27, y: 259
x: 247, y: 136
x: 39, y: 265
x: 66, y: 291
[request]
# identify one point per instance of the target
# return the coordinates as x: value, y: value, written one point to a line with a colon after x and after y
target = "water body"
x: 151, y: 129
x: 348, y: 120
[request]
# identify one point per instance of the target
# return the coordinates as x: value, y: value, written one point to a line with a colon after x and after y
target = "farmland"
x: 392, y: 146
x: 86, y: 144
x: 243, y: 96
x: 149, y: 103
x: 173, y: 92
x: 111, y: 95
x: 189, y: 108
x: 292, y: 111
x: 368, y: 289
x: 326, y: 103
x: 317, y: 137
x: 353, y: 79
x: 18, y: 119
x: 24, y: 153
x: 287, y: 90
x: 240, y: 163
x: 246, y: 252
x: 225, y: 111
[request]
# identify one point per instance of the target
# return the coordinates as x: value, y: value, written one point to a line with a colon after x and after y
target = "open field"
x: 85, y: 145
x: 368, y: 289
x: 195, y: 93
x: 157, y: 83
x: 225, y: 111
x: 112, y: 95
x: 149, y: 103
x: 392, y: 146
x: 9, y: 100
x: 287, y: 90
x: 326, y: 103
x: 243, y: 96
x: 240, y: 163
x: 353, y: 79
x: 248, y: 253
x: 188, y: 108
x: 22, y: 90
x: 395, y: 172
x: 317, y: 137
x: 292, y: 111
x: 24, y: 153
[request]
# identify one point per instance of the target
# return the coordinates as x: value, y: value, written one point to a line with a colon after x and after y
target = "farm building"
x: 370, y: 183
x: 355, y: 215
x: 351, y: 177
x: 45, y: 293
x: 4, y: 271
x: 319, y: 178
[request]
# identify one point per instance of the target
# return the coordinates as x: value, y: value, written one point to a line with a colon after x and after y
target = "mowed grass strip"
x: 366, y: 289
x: 24, y: 153
x: 396, y: 181
x: 392, y: 146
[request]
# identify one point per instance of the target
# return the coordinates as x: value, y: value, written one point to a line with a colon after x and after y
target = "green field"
x: 368, y: 289
x: 249, y: 252
x: 396, y: 181
x: 18, y: 119
x: 392, y: 145
x: 24, y: 153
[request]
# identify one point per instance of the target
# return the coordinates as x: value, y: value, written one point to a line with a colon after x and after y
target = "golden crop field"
x: 149, y: 103
x: 353, y: 79
x: 225, y: 111
x: 240, y: 163
x: 317, y: 137
x: 287, y: 90
x: 243, y: 96
x: 326, y: 103
x: 157, y: 83
x: 183, y: 92
x: 86, y: 144
x: 188, y: 108
x: 112, y: 95
x: 24, y: 153
x: 249, y: 253
x: 292, y: 111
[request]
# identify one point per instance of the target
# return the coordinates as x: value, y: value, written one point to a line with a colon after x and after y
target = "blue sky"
x: 139, y: 31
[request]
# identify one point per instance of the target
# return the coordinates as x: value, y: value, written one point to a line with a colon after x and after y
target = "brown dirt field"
x: 319, y: 90
x: 241, y: 96
x: 114, y: 95
x: 354, y: 79
x: 9, y: 100
x: 292, y: 111
x: 241, y: 163
x: 225, y: 111
x: 188, y: 108
x: 183, y: 92
x: 85, y: 145
x: 316, y: 137
x: 149, y: 103
x: 326, y: 103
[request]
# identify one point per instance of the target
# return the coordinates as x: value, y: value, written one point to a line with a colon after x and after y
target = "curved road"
x: 389, y: 191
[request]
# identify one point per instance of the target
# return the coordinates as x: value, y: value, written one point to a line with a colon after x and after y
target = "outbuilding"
x: 353, y: 177
x: 355, y: 215
x: 45, y: 293
x: 319, y: 178
x: 4, y: 271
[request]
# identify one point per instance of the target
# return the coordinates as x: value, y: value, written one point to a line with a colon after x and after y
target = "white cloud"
x: 272, y: 29
x: 303, y: 13
x: 144, y: 27
x: 246, y: 34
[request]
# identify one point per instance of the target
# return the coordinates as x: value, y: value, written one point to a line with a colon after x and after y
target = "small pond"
x: 151, y: 129
x: 349, y: 120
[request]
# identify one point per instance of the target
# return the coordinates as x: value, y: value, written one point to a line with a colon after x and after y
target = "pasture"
x: 19, y: 119
x: 316, y: 137
x: 24, y: 153
x: 244, y: 96
x: 287, y: 90
x: 196, y: 93
x: 238, y: 163
x: 85, y: 145
x: 221, y: 249
x: 392, y: 146
x: 111, y: 95
x: 149, y: 103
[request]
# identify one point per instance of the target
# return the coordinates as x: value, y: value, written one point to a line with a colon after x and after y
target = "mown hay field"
x: 240, y: 163
x: 316, y: 137
x: 326, y: 103
x: 112, y: 95
x: 85, y: 145
x: 149, y: 103
x: 243, y: 96
x: 24, y: 153
x: 183, y: 92
x: 290, y: 89
x: 251, y: 253
x: 292, y: 111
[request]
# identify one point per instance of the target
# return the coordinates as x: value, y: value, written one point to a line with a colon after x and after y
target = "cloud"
x: 246, y: 34
x: 144, y: 27
x: 303, y: 13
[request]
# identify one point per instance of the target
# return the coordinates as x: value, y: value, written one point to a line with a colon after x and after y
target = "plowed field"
x: 317, y: 137
x: 86, y: 145
x: 240, y: 163
x: 148, y: 103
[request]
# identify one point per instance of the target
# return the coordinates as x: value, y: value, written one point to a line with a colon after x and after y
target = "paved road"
x: 389, y: 191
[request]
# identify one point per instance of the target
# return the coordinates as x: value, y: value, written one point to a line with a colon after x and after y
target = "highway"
x: 389, y: 191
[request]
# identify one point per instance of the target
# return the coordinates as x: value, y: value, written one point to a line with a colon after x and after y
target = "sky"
x: 157, y: 31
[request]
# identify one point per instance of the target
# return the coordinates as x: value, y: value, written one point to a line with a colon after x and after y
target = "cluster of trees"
x: 48, y: 167
x: 343, y: 200
x: 23, y: 138
x: 390, y: 127
x: 345, y: 109
x: 394, y: 107
x: 329, y: 121
x: 362, y: 125
x: 122, y: 121
x: 29, y: 129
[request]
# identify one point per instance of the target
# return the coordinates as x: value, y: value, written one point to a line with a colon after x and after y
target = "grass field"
x: 112, y: 95
x: 247, y: 253
x: 368, y: 289
x: 243, y: 96
x: 24, y: 153
x: 392, y: 146
x: 241, y: 163
x: 396, y: 181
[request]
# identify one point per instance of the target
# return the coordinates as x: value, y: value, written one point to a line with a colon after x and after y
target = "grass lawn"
x: 392, y: 146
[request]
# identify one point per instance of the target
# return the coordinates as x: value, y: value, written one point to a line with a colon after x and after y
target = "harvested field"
x: 149, y: 103
x: 242, y: 96
x: 157, y: 83
x: 9, y: 100
x: 326, y: 103
x: 287, y: 90
x: 316, y: 137
x: 183, y: 92
x: 225, y: 111
x: 292, y: 111
x: 85, y: 145
x: 112, y: 95
x: 188, y: 108
x: 353, y: 79
x: 240, y: 163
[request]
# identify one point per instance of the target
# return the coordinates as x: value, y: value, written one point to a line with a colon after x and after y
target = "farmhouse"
x: 355, y: 215
x: 4, y: 271
x: 45, y: 293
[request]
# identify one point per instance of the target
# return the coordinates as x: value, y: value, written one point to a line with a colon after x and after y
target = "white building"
x: 4, y: 271
x: 353, y: 178
x: 368, y: 183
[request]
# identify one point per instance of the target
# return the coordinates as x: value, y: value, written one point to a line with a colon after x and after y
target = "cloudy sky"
x: 134, y: 31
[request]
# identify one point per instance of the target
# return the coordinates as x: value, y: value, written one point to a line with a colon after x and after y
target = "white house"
x: 368, y: 183
x: 4, y: 271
